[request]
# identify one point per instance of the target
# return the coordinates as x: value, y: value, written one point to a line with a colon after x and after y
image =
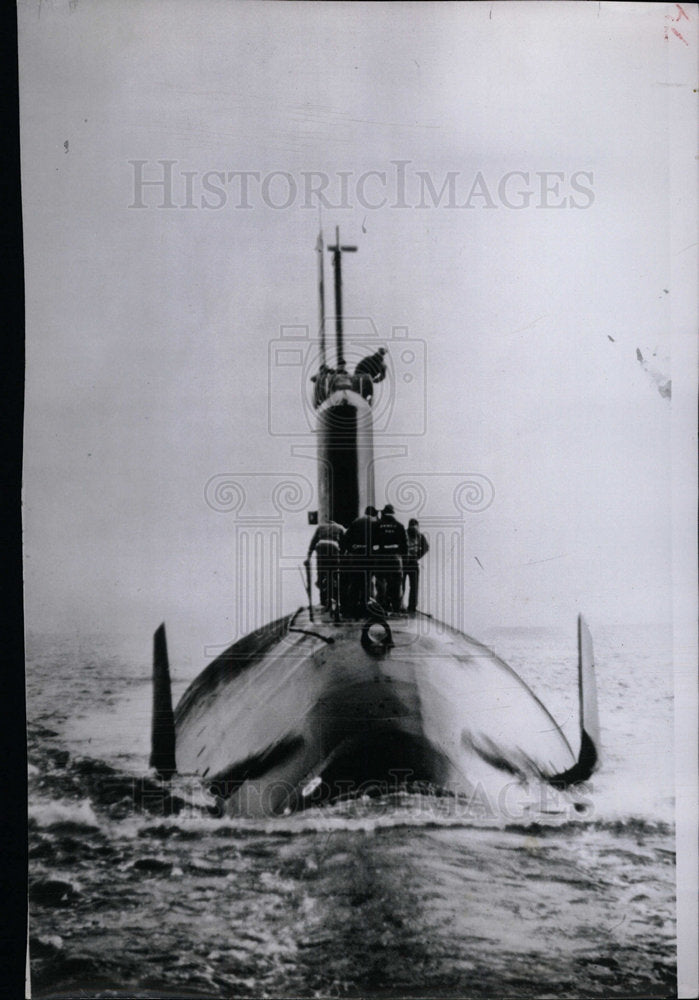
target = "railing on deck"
x: 327, y: 381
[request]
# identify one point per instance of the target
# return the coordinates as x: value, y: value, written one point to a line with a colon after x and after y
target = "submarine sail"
x: 344, y: 422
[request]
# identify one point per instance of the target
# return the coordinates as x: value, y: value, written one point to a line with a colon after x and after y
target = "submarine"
x: 318, y: 706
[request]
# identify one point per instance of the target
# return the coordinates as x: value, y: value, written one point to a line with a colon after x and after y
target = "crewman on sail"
x: 326, y: 542
x: 321, y: 384
x: 391, y: 546
x: 418, y: 546
x: 356, y: 571
x: 369, y: 370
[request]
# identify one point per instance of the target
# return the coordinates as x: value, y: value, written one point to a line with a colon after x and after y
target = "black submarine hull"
x: 305, y: 711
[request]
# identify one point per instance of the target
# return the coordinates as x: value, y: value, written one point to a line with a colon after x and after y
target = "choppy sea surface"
x: 138, y: 892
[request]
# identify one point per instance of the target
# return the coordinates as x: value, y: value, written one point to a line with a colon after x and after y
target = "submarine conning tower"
x: 344, y: 418
x: 345, y: 451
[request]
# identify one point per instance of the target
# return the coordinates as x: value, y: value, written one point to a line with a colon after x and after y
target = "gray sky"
x: 149, y: 330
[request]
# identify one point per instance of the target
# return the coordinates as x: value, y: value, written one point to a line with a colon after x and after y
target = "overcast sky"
x: 525, y: 242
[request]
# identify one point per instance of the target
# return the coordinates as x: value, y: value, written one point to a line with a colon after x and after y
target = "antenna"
x: 337, y: 252
x: 321, y: 293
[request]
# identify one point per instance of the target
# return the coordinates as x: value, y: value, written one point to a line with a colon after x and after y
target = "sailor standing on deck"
x: 418, y: 546
x: 392, y: 546
x: 326, y: 542
x: 357, y: 567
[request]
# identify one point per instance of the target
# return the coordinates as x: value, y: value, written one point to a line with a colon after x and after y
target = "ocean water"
x: 139, y: 891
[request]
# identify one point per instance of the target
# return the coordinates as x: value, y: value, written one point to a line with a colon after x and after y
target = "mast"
x: 321, y: 295
x: 337, y: 252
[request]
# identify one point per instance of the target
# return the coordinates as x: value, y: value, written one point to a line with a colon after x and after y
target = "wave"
x: 87, y: 792
x: 61, y: 812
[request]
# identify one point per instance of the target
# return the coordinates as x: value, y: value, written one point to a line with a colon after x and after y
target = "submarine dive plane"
x: 314, y: 707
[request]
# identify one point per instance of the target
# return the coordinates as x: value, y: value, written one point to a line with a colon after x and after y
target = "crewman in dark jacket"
x: 371, y: 369
x: 322, y: 381
x: 326, y: 542
x: 356, y: 571
x: 391, y: 546
x: 418, y: 546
